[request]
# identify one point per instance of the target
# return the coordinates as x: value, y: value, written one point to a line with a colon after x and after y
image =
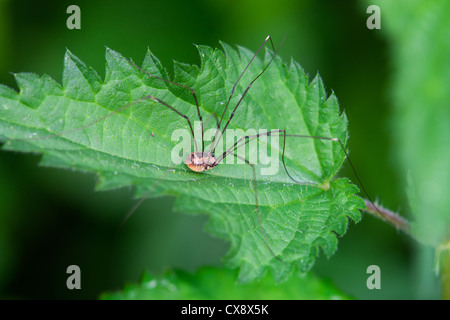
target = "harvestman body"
x: 199, y: 161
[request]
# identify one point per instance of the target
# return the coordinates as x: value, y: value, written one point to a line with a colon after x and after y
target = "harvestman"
x: 204, y: 160
x: 200, y: 161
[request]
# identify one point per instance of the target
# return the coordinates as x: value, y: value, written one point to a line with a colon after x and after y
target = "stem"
x: 389, y: 216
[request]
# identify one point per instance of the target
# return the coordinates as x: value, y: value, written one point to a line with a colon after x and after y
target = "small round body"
x: 200, y: 161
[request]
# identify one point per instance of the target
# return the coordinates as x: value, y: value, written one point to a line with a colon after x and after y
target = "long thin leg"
x: 179, y: 85
x: 141, y: 200
x: 218, y: 127
x: 248, y: 65
x: 216, y: 138
x: 244, y: 140
x: 215, y: 118
x: 257, y: 206
x: 180, y: 114
x: 88, y: 125
x: 113, y: 113
x: 239, y: 141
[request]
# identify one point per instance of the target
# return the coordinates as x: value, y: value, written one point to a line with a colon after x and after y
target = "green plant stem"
x: 389, y: 216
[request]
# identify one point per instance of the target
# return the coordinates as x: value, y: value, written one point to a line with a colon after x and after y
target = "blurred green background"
x: 50, y: 219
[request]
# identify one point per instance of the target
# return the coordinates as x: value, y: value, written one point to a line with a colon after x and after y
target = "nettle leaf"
x: 219, y: 284
x: 134, y: 147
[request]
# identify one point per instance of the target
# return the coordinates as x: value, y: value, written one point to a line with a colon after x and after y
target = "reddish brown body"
x: 200, y: 161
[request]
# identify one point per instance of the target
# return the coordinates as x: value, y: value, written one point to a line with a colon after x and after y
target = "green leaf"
x: 134, y: 146
x: 219, y: 284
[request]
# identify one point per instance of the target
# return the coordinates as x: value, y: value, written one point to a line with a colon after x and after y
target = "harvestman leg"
x: 118, y: 111
x: 90, y: 124
x: 142, y: 199
x: 246, y: 139
x: 257, y: 206
x: 182, y: 86
x: 180, y: 114
x: 213, y: 147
